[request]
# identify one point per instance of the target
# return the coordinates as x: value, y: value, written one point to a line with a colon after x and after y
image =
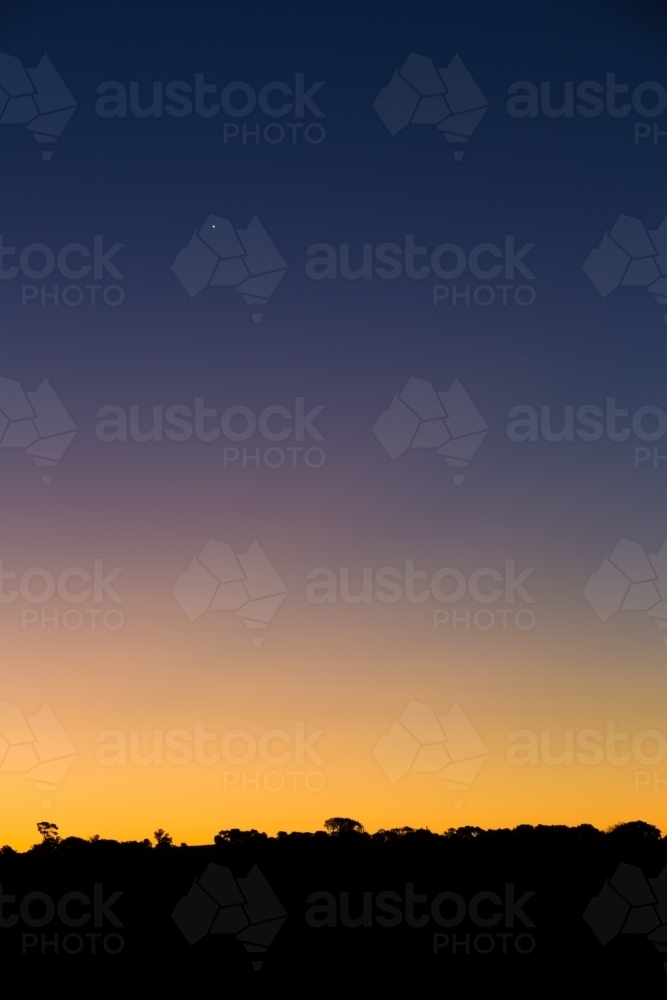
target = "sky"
x: 398, y: 638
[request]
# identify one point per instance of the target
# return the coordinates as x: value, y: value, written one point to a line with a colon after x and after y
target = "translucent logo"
x: 630, y: 580
x: 36, y: 98
x: 217, y: 580
x: 420, y: 94
x: 629, y: 903
x: 220, y: 256
x: 217, y: 903
x: 34, y: 745
x: 629, y: 255
x: 36, y: 421
x: 447, y: 422
x: 445, y: 745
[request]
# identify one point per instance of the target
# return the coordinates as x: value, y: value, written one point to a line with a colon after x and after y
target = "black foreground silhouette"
x: 545, y: 908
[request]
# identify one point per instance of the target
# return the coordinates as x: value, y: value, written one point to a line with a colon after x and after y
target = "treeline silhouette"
x: 465, y: 907
x: 626, y: 835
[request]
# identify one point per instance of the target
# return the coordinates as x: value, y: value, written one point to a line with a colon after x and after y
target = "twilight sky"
x: 374, y: 259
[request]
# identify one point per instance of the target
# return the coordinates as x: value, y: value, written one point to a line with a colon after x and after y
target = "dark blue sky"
x: 149, y: 183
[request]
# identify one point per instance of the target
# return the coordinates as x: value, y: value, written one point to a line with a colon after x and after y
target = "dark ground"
x: 550, y: 949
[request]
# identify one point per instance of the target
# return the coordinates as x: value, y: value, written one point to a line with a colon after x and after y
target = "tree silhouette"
x: 236, y: 836
x: 635, y: 830
x: 340, y: 826
x: 162, y: 838
x: 48, y: 833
